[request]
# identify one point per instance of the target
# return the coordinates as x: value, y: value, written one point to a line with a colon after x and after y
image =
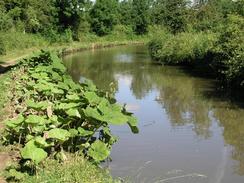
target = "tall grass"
x: 19, y: 41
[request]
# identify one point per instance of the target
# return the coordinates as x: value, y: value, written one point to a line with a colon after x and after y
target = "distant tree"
x: 104, y: 16
x: 125, y: 12
x: 171, y: 13
x: 140, y: 16
x: 31, y: 15
x: 72, y: 14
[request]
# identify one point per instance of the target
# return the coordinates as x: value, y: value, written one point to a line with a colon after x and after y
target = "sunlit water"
x: 187, y: 133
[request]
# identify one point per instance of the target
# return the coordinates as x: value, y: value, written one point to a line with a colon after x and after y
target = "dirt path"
x: 4, y: 160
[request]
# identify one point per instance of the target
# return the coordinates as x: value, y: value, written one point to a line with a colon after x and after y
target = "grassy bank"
x: 18, y: 45
x: 52, y: 118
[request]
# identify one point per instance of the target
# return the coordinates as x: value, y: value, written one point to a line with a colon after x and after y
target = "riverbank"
x: 10, y: 106
x: 65, y: 49
x: 221, y: 51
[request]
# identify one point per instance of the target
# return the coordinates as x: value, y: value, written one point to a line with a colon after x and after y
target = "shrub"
x: 182, y: 48
x: 229, y: 51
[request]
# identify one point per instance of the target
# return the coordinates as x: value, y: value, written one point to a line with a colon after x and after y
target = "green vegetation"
x: 4, y: 85
x: 54, y: 115
x: 74, y: 169
x: 140, y: 16
x: 103, y: 16
x: 182, y: 48
x: 212, y: 34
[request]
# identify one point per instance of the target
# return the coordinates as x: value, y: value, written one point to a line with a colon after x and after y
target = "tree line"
x: 81, y: 16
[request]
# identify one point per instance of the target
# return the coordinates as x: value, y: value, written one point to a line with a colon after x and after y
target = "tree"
x: 125, y: 12
x: 171, y: 13
x: 140, y: 16
x: 104, y: 16
x: 72, y: 14
x: 31, y: 15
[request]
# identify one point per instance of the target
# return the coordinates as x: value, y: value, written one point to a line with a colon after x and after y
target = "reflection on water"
x: 186, y: 134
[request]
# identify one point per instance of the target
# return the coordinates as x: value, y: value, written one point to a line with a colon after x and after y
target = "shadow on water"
x: 217, y: 91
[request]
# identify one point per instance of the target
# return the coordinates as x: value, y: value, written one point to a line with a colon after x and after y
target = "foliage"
x: 125, y: 12
x: 57, y: 115
x: 104, y: 16
x: 182, y: 48
x: 2, y: 47
x: 140, y: 16
x: 75, y: 169
x: 171, y: 13
x: 229, y: 53
x: 4, y: 94
x: 73, y: 15
x: 18, y: 41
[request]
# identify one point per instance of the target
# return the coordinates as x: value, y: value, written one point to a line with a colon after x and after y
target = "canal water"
x: 189, y: 133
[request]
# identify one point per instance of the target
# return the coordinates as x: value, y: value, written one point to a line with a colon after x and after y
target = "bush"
x: 182, y: 48
x: 53, y: 36
x: 229, y: 60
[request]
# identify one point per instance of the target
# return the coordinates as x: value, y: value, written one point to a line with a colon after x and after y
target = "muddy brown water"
x: 188, y: 133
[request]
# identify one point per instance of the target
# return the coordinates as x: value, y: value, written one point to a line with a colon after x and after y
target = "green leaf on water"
x: 98, y: 151
x: 30, y: 151
x: 132, y: 121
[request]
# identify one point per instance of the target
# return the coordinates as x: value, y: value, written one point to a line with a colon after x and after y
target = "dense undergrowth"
x: 222, y: 50
x: 182, y: 48
x: 54, y: 116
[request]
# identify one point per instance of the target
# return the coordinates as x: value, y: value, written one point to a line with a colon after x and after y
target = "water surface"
x: 187, y: 133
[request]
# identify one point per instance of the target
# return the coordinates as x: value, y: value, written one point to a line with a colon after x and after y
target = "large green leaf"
x: 15, y: 122
x: 34, y: 119
x: 92, y: 98
x: 83, y: 132
x: 73, y: 97
x: 37, y: 105
x: 111, y: 117
x: 30, y: 151
x: 59, y: 134
x: 57, y: 65
x: 73, y: 132
x: 98, y: 151
x: 41, y: 75
x: 73, y: 112
x: 40, y: 141
x: 67, y: 105
x: 132, y: 121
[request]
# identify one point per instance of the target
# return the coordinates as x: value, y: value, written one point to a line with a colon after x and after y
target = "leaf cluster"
x: 58, y: 115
